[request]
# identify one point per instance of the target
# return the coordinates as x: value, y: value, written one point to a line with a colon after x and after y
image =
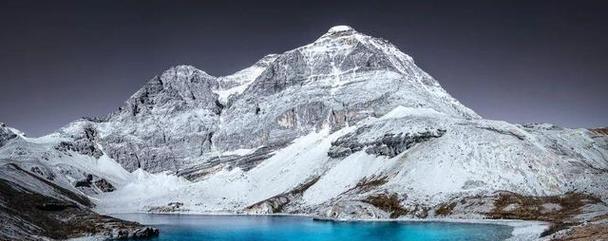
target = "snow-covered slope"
x: 44, y: 183
x: 345, y: 127
x: 424, y: 156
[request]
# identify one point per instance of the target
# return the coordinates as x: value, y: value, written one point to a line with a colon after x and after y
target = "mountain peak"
x: 6, y: 134
x: 338, y: 31
x: 340, y: 28
x: 184, y: 70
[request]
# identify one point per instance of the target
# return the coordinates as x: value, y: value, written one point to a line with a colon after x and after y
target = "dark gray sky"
x: 520, y: 61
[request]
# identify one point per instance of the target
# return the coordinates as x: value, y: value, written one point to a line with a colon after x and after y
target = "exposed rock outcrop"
x: 5, y: 134
x: 600, y: 131
x: 84, y: 142
x: 388, y: 145
x: 51, y: 211
x: 93, y: 184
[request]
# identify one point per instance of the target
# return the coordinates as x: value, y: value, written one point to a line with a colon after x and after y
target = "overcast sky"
x: 520, y: 61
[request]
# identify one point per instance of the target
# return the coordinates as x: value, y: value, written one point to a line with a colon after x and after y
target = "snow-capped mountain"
x: 345, y: 127
x: 185, y: 116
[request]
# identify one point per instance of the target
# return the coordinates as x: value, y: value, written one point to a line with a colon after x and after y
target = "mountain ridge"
x: 325, y: 68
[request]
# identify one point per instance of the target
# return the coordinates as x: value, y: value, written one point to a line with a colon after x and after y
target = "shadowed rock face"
x: 276, y: 204
x: 244, y: 162
x: 85, y: 143
x: 28, y: 214
x: 389, y: 145
x: 5, y: 134
x: 93, y: 185
x: 601, y: 131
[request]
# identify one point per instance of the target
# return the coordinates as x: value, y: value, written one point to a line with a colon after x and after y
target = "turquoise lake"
x: 288, y: 228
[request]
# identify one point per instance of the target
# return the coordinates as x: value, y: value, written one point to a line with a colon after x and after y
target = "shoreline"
x: 523, y: 230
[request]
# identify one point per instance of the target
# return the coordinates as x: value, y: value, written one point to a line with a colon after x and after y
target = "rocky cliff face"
x: 338, y: 80
x: 345, y: 127
x: 6, y: 134
x: 166, y: 123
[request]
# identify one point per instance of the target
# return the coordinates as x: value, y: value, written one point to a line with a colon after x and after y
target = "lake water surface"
x: 289, y: 228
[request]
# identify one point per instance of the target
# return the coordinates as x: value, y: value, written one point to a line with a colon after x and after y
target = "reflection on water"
x: 273, y: 228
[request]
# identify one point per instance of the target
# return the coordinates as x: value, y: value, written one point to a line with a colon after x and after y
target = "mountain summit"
x: 340, y: 28
x: 346, y: 127
x: 184, y: 115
